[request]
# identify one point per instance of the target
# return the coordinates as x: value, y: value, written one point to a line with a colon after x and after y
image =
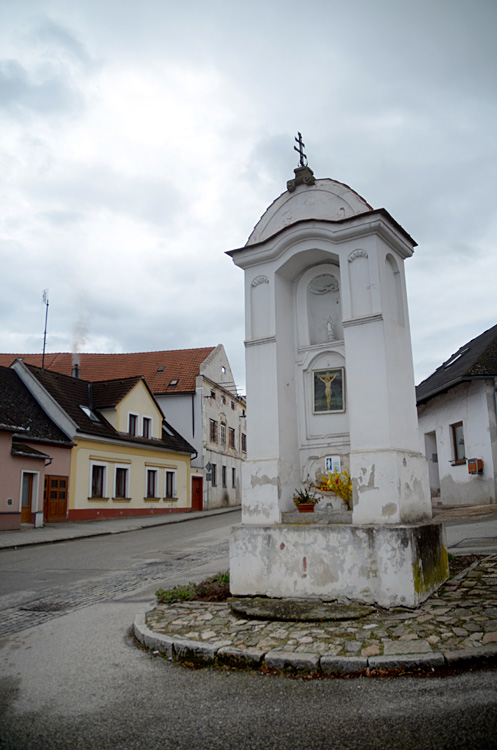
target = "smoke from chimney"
x: 80, y: 332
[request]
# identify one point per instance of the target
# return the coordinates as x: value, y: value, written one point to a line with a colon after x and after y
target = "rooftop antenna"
x: 45, y: 302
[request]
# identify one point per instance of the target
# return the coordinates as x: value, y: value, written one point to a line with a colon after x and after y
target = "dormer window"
x: 133, y: 424
x: 147, y: 427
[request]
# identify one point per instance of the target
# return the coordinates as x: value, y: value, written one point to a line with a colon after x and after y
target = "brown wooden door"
x: 197, y: 489
x: 55, y: 499
x: 27, y: 497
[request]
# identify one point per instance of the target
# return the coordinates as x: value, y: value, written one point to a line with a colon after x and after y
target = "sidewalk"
x: 62, y: 532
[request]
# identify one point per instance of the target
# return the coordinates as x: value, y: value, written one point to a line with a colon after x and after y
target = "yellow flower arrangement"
x: 337, y: 482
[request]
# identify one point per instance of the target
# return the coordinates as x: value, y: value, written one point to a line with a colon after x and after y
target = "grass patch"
x: 214, y: 589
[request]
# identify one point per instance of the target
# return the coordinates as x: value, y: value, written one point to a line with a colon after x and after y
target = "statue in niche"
x: 323, y: 309
x: 329, y: 328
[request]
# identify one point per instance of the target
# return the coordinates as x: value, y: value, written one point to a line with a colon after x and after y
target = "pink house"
x: 35, y: 459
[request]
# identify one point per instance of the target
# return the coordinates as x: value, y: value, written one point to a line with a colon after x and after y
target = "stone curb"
x: 210, y: 654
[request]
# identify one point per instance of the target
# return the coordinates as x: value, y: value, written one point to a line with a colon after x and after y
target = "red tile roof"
x: 158, y: 368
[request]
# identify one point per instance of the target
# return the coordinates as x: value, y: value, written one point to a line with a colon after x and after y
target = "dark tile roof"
x: 158, y: 368
x: 476, y: 359
x: 19, y: 449
x: 19, y: 409
x: 72, y: 394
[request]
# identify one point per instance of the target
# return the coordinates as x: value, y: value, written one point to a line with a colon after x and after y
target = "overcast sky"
x: 142, y: 140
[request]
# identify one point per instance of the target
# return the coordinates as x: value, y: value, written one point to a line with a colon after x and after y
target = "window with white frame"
x: 170, y: 484
x: 222, y: 437
x: 133, y: 424
x: 121, y: 482
x: 458, y: 446
x: 152, y: 483
x: 147, y: 427
x: 98, y: 480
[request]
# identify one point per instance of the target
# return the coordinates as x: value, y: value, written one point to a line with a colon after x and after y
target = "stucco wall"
x: 138, y: 401
x: 12, y: 468
x: 473, y: 404
x: 137, y: 461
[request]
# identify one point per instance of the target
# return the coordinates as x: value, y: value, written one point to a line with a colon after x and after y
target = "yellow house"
x: 126, y: 460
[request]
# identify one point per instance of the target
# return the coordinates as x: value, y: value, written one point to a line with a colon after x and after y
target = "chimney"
x: 76, y: 372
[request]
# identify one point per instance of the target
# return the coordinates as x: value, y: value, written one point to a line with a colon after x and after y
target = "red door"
x: 55, y: 499
x: 197, y: 489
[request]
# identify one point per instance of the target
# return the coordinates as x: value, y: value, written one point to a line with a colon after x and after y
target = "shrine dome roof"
x: 325, y: 199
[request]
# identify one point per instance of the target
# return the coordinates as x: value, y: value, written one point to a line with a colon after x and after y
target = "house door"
x: 55, y: 499
x: 197, y: 489
x: 27, y: 496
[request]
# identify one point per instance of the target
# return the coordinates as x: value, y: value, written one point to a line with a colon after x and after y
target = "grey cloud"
x: 58, y: 39
x: 20, y: 91
x: 61, y: 217
x: 149, y: 199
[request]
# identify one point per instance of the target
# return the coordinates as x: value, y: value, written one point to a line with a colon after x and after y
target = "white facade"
x: 215, y: 400
x: 472, y: 406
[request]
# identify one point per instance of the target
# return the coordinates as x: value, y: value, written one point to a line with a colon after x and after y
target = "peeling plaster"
x: 390, y: 509
x: 256, y: 481
x: 362, y: 487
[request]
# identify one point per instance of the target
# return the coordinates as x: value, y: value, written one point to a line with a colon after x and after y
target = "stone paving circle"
x: 455, y: 628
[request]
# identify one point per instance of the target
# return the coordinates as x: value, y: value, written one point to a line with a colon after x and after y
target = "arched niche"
x: 393, y: 297
x: 360, y: 283
x: 319, y: 306
x: 259, y: 308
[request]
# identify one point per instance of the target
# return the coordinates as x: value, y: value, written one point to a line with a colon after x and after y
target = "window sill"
x: 151, y: 499
x: 458, y: 463
x: 121, y: 499
x: 170, y: 499
x: 97, y: 499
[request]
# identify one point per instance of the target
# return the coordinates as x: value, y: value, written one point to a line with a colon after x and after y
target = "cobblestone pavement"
x: 57, y: 603
x: 460, y: 617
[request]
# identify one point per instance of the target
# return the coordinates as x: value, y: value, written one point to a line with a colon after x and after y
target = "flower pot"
x: 305, y: 507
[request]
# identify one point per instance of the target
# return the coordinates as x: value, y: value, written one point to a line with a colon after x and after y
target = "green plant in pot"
x: 305, y: 500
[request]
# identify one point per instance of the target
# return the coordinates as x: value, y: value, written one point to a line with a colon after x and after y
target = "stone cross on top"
x: 300, y: 150
x: 303, y: 174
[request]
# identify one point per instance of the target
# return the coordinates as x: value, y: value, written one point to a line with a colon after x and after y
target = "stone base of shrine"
x: 391, y: 566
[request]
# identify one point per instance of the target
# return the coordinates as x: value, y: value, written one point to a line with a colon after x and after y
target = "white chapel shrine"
x: 330, y: 380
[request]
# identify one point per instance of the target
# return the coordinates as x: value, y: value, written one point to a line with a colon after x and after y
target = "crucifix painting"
x: 328, y: 390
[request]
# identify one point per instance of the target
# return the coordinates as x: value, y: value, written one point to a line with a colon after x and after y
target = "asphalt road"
x: 77, y: 680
